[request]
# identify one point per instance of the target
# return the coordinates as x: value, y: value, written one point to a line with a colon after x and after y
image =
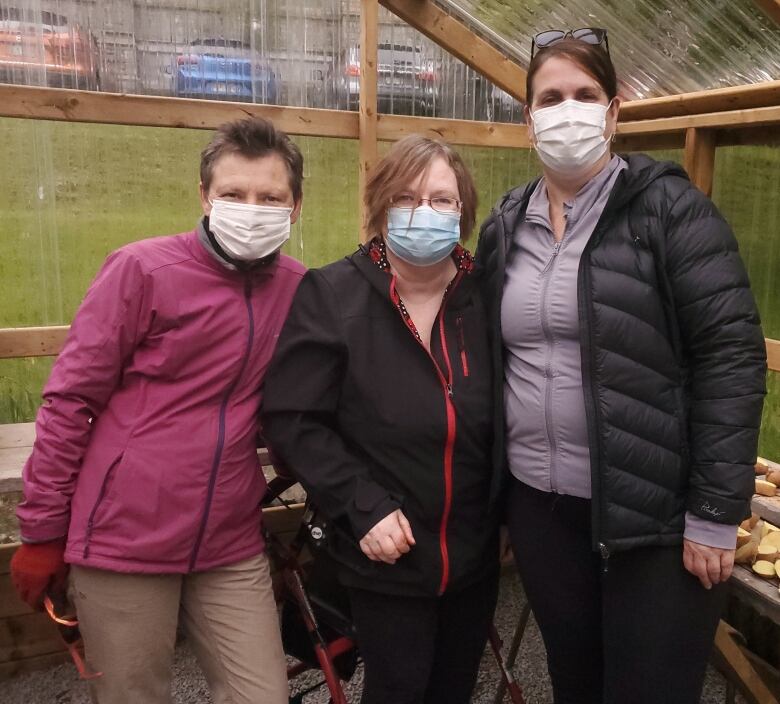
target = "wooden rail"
x: 744, y: 126
x: 63, y: 104
x: 756, y: 95
x: 48, y: 341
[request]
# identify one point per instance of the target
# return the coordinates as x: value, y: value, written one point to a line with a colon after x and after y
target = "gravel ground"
x: 59, y: 685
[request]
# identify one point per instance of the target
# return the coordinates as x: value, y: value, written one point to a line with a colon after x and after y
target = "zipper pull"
x: 604, y: 551
x: 450, y: 392
x: 557, y: 248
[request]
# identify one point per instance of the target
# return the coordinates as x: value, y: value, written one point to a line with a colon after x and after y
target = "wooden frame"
x: 751, y: 126
x: 699, y: 157
x: 756, y: 95
x: 32, y: 342
x: 63, y: 104
x: 369, y: 153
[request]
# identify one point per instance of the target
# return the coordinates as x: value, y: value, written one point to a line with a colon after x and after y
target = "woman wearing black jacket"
x: 631, y: 361
x: 379, y: 399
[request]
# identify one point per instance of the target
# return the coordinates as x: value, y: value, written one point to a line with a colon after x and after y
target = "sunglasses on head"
x: 590, y: 35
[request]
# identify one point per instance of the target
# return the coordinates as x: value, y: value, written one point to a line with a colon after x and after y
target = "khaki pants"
x: 129, y: 621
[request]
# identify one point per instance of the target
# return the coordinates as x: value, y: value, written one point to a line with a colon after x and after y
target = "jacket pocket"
x: 107, y: 479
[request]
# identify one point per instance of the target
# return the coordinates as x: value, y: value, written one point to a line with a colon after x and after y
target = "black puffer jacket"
x: 673, y: 357
x: 369, y: 422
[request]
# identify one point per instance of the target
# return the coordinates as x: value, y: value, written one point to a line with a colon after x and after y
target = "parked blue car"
x: 223, y: 69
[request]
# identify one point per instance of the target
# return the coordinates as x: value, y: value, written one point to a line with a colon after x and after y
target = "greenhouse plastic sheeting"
x: 659, y: 47
x: 303, y: 54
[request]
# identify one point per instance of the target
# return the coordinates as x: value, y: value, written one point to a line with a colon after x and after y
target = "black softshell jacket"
x: 369, y: 422
x: 673, y: 357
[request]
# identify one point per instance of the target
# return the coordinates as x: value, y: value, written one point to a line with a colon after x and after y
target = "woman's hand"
x: 388, y: 539
x: 710, y: 565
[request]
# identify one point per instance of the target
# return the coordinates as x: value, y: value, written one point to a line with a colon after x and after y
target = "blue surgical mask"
x: 422, y: 236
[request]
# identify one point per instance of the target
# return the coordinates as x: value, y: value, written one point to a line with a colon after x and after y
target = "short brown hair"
x: 253, y: 137
x: 592, y: 59
x: 408, y: 159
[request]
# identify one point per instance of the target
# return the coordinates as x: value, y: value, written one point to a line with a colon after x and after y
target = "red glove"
x: 37, y: 568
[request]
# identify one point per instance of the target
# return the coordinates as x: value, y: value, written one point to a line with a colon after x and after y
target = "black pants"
x: 639, y: 633
x: 422, y: 650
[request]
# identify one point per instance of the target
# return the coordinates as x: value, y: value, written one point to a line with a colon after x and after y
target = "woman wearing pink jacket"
x: 144, y: 477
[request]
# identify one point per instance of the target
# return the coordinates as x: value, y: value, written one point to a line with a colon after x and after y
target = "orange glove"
x: 38, y: 568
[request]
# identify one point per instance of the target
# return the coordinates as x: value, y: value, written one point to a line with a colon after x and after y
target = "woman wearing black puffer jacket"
x: 629, y: 353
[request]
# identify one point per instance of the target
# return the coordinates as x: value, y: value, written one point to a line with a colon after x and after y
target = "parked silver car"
x: 406, y: 80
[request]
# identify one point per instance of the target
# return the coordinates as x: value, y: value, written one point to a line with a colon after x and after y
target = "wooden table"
x: 768, y: 507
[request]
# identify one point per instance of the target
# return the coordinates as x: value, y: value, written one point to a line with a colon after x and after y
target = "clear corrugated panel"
x: 659, y: 47
x: 747, y: 183
x: 283, y: 52
x: 74, y: 192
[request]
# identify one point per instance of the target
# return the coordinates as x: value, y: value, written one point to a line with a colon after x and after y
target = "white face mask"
x: 249, y: 232
x: 570, y: 135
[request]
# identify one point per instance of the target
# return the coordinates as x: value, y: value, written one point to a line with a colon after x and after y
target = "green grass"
x: 71, y: 193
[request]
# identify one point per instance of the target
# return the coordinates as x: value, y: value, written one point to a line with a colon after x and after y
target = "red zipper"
x: 449, y: 446
x: 464, y: 360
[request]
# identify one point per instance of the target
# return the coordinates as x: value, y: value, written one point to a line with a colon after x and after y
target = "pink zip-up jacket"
x: 145, y: 454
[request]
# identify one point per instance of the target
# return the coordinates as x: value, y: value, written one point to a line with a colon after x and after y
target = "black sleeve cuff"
x: 718, y: 509
x: 372, y: 503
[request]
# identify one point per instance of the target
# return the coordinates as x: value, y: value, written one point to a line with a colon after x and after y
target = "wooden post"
x: 369, y: 24
x: 699, y: 159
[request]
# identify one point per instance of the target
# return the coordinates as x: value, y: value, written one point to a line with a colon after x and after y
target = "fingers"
x: 695, y: 564
x: 368, y: 550
x: 726, y: 564
x: 710, y: 565
x: 700, y: 570
x: 406, y: 528
x: 713, y: 567
x: 388, y: 539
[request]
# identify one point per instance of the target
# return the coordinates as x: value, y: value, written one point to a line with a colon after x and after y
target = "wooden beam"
x: 699, y: 158
x: 756, y: 95
x: 753, y: 126
x: 459, y: 40
x: 32, y: 342
x: 735, y: 119
x: 157, y: 111
x: 771, y: 8
x: 773, y: 354
x: 369, y: 33
x: 467, y: 132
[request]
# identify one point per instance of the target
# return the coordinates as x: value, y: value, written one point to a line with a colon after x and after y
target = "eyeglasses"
x: 68, y: 627
x: 590, y: 35
x: 441, y: 204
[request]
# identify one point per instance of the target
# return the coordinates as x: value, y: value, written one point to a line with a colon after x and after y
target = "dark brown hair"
x: 407, y: 160
x: 253, y: 137
x: 590, y: 58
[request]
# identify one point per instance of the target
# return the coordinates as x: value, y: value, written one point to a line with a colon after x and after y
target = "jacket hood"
x: 642, y: 171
